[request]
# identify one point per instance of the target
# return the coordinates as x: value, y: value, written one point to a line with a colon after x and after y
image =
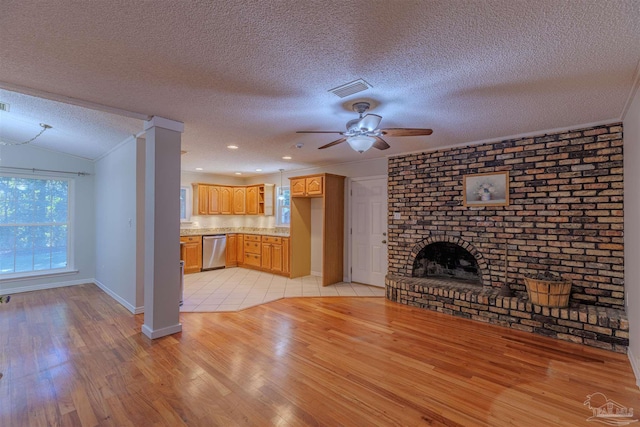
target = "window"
x: 283, y: 207
x: 34, y: 224
x: 185, y: 204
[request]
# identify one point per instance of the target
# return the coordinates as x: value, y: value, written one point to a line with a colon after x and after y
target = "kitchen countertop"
x: 277, y: 232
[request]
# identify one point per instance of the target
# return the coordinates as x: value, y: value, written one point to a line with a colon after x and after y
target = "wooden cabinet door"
x: 314, y: 186
x: 266, y: 256
x: 298, y: 187
x: 192, y: 254
x: 276, y: 258
x: 252, y: 200
x: 226, y: 200
x: 240, y: 248
x: 231, y: 251
x: 239, y: 200
x: 214, y: 200
x: 202, y: 207
x: 285, y: 256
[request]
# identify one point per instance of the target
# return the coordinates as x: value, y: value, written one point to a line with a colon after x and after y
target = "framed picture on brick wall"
x: 486, y: 189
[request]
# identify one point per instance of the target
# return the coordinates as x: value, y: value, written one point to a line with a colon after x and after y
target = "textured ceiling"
x: 251, y: 73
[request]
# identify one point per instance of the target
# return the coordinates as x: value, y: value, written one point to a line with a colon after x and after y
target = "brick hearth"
x: 601, y: 327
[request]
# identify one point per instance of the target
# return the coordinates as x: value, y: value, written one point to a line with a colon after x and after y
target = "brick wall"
x: 565, y: 213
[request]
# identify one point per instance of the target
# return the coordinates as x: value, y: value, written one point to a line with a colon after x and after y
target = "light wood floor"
x: 74, y: 357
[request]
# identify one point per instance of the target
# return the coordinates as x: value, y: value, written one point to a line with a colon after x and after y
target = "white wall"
x: 29, y: 156
x: 117, y: 220
x: 632, y: 228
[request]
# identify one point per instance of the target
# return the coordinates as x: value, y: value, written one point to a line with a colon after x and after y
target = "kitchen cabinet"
x: 285, y: 256
x: 213, y: 199
x: 240, y: 248
x: 226, y: 200
x: 231, y: 251
x: 272, y: 254
x: 276, y: 258
x: 239, y: 200
x: 252, y: 200
x: 265, y: 256
x: 331, y: 189
x: 191, y: 253
x: 307, y: 186
x: 206, y: 199
x: 266, y: 253
x: 252, y: 250
x: 201, y: 204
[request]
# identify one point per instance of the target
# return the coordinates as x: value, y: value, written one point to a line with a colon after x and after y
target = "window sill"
x: 36, y: 275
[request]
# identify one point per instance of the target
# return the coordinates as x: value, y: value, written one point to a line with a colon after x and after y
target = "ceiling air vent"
x: 350, y: 88
x: 4, y: 107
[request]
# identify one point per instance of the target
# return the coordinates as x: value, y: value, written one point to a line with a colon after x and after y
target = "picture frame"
x: 486, y: 189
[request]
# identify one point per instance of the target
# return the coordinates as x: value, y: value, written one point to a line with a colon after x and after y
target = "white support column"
x: 162, y: 228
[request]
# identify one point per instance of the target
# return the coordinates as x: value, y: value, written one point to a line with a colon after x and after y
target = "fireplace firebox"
x: 447, y: 260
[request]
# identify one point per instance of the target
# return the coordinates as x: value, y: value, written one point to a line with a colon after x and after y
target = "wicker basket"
x: 548, y: 293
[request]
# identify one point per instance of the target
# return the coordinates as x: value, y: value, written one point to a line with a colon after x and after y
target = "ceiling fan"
x: 363, y: 133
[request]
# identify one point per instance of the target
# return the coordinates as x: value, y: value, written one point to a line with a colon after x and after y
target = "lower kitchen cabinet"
x: 191, y: 253
x: 252, y: 250
x: 231, y: 254
x: 266, y: 253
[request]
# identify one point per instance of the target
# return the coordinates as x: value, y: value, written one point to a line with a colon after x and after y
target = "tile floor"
x: 233, y: 289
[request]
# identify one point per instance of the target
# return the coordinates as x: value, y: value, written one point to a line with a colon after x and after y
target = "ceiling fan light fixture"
x: 361, y: 143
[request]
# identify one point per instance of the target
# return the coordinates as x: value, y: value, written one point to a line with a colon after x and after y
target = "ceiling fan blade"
x: 331, y: 144
x: 380, y: 143
x: 369, y: 122
x: 406, y: 132
x: 318, y: 131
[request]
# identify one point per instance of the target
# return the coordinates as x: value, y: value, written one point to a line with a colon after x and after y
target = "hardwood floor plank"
x: 74, y: 357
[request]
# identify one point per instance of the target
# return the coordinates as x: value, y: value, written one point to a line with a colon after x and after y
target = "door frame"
x: 348, y: 225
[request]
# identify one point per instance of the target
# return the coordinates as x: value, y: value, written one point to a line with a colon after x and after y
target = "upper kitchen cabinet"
x: 239, y: 200
x: 226, y: 200
x: 253, y: 195
x: 307, y: 186
x: 212, y: 199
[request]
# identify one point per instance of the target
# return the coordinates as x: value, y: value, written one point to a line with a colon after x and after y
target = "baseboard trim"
x: 117, y: 297
x: 20, y: 289
x: 634, y: 365
x: 158, y: 333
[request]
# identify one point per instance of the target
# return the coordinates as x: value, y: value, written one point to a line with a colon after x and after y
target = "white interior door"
x: 369, y: 231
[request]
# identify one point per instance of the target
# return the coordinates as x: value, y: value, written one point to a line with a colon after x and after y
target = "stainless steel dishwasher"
x: 214, y: 251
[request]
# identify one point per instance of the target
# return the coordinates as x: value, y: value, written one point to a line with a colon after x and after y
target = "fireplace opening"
x: 447, y: 261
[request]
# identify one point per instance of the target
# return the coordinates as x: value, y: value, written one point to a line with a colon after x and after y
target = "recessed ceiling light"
x: 238, y: 173
x: 232, y: 147
x: 199, y: 169
x: 258, y: 170
x: 286, y: 157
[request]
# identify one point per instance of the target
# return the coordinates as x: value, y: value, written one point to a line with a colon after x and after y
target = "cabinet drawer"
x: 271, y: 239
x: 251, y: 238
x: 191, y: 239
x: 252, y: 259
x: 251, y: 247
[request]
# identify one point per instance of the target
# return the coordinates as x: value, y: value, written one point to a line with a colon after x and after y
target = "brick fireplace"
x: 565, y: 215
